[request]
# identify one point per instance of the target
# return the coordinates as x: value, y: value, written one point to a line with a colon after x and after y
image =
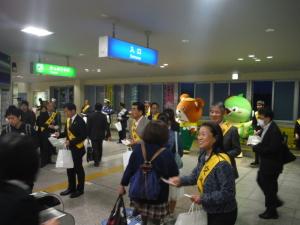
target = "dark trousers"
x: 122, y: 133
x: 222, y: 218
x: 269, y: 185
x: 46, y: 149
x: 78, y: 170
x: 97, y: 146
x: 256, y: 158
x: 108, y: 134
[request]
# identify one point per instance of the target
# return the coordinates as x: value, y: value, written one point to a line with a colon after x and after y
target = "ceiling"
x: 219, y: 32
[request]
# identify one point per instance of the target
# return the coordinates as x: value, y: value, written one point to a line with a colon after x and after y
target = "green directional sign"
x: 54, y: 70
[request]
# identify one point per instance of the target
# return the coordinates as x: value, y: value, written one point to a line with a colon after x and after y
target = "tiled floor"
x: 100, y: 191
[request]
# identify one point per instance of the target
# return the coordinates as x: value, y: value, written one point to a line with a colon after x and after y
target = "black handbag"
x: 287, y: 156
x: 89, y: 153
x: 118, y: 214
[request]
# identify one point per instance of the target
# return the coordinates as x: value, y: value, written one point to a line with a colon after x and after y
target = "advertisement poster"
x: 109, y: 91
x: 169, y: 96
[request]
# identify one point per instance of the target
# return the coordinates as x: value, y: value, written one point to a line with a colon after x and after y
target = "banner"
x: 169, y: 96
x: 109, y: 93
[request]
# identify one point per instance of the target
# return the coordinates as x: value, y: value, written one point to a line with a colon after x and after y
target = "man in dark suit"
x: 96, y: 126
x: 49, y: 123
x: 270, y: 152
x: 75, y: 133
x: 28, y: 116
x: 231, y: 138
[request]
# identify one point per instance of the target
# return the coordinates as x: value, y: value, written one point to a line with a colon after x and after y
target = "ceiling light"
x: 166, y: 64
x: 235, y: 76
x: 257, y: 60
x: 20, y: 76
x: 162, y: 66
x: 251, y: 56
x: 270, y: 57
x: 86, y: 70
x: 104, y: 15
x: 185, y: 41
x: 269, y: 30
x: 40, y: 32
x: 240, y: 59
x: 81, y: 54
x: 98, y: 70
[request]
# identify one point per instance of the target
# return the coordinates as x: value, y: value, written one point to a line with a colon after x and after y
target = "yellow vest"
x: 50, y: 120
x: 134, y: 134
x: 208, y: 167
x: 225, y: 126
x: 71, y: 136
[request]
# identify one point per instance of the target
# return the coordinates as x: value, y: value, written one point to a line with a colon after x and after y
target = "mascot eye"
x: 234, y: 109
x: 183, y: 108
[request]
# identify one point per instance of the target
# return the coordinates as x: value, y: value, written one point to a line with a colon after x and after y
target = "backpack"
x: 145, y: 183
x: 27, y: 129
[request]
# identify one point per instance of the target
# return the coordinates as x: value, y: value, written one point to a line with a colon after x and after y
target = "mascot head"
x: 238, y: 109
x: 189, y: 109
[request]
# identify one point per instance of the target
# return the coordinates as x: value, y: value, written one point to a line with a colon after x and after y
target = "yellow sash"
x: 256, y: 114
x: 298, y: 121
x: 225, y: 127
x: 71, y: 136
x: 155, y: 116
x: 85, y: 108
x: 134, y: 134
x: 208, y: 167
x: 50, y: 120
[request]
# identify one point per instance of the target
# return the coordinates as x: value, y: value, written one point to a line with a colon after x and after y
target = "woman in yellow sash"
x: 214, y: 177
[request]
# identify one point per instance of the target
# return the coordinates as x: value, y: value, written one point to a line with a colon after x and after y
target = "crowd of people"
x: 154, y: 137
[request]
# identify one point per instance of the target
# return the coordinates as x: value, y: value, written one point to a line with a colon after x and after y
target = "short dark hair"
x: 156, y: 132
x: 217, y: 134
x: 98, y: 106
x: 170, y: 113
x: 19, y: 159
x: 154, y: 103
x: 122, y: 104
x: 140, y: 106
x: 164, y: 117
x: 220, y: 105
x: 70, y: 106
x: 24, y: 102
x: 13, y: 111
x: 266, y: 112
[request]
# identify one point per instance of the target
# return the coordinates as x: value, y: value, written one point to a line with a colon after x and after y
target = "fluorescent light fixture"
x: 185, y: 41
x: 235, y: 76
x: 166, y: 64
x: 270, y: 57
x: 81, y: 54
x: 251, y: 56
x: 240, y: 59
x: 98, y: 70
x: 20, y: 76
x: 268, y: 30
x: 40, y: 32
x: 257, y: 60
x: 86, y: 70
x: 162, y: 66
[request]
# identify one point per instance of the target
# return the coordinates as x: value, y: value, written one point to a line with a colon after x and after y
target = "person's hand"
x: 256, y: 132
x: 51, y: 126
x: 67, y: 143
x: 196, y: 199
x: 121, y: 190
x: 51, y: 222
x: 56, y: 134
x: 175, y: 181
x: 297, y: 136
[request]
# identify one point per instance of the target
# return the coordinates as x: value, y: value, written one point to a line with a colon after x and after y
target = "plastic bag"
x: 195, y: 216
x: 126, y: 157
x: 64, y: 159
x: 118, y: 125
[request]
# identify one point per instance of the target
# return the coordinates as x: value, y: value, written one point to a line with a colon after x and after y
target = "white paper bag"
x: 118, y: 125
x: 64, y: 159
x: 193, y: 217
x: 126, y: 156
x: 57, y: 143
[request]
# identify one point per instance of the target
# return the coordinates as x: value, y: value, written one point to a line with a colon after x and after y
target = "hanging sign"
x: 118, y: 49
x: 54, y: 70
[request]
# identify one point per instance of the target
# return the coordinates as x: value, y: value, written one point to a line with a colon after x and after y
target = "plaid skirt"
x: 157, y: 211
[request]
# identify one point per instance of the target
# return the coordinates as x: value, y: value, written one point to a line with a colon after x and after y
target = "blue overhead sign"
x: 118, y: 49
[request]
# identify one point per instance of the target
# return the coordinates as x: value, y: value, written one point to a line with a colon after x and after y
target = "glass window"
x: 220, y: 92
x: 187, y: 88
x: 262, y: 90
x: 62, y: 95
x: 117, y: 97
x: 100, y: 93
x: 143, y: 93
x: 157, y: 94
x: 127, y: 96
x: 238, y: 88
x: 203, y: 91
x: 284, y: 100
x: 299, y: 102
x: 90, y: 94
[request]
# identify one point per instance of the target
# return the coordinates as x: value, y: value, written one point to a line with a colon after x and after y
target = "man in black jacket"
x: 75, y: 133
x: 96, y: 126
x: 28, y: 116
x: 270, y: 152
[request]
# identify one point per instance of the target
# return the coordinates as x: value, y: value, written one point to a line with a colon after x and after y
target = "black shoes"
x: 279, y: 203
x: 76, y: 194
x: 269, y: 214
x: 66, y: 192
x: 96, y: 164
x: 254, y: 164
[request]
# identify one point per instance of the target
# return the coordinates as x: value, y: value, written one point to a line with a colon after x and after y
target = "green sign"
x: 54, y: 70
